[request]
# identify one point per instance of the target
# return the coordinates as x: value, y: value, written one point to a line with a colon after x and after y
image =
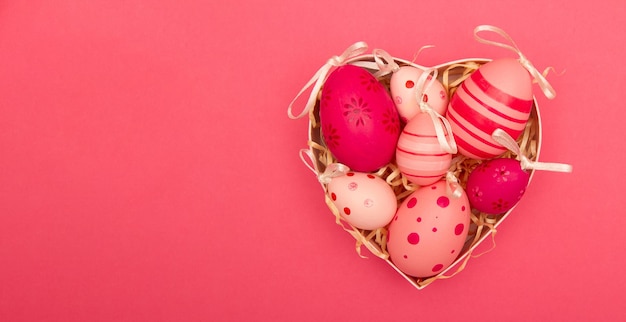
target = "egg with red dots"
x: 359, y: 122
x: 364, y: 200
x: 403, y: 86
x: 428, y: 231
x: 419, y: 155
x: 497, y: 185
x: 497, y: 95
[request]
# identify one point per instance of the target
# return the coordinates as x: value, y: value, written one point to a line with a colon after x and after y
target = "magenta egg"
x: 360, y: 124
x: 497, y: 185
x: 404, y: 91
x: 419, y: 155
x: 496, y: 95
x: 429, y: 231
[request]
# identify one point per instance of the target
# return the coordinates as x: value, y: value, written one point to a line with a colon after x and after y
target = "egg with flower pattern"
x: 359, y: 121
x: 496, y: 186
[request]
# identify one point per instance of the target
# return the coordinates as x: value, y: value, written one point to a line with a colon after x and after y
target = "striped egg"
x: 419, y: 155
x: 497, y: 95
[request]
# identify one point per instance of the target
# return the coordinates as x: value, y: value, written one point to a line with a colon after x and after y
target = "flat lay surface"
x: 149, y: 170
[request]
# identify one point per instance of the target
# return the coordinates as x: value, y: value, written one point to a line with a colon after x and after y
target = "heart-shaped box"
x: 450, y: 74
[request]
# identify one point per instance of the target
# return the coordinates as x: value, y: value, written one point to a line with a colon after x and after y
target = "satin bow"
x: 508, y: 142
x: 440, y: 122
x: 547, y: 89
x: 385, y: 62
x: 319, y: 78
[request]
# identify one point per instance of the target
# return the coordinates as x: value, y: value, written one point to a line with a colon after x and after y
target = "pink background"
x: 149, y: 172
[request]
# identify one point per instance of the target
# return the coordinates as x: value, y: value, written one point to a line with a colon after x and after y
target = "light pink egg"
x: 497, y: 95
x: 360, y: 124
x: 364, y: 200
x: 497, y: 185
x: 403, y: 87
x: 419, y: 155
x: 429, y: 231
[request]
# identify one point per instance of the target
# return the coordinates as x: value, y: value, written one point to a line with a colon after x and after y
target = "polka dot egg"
x: 429, y: 231
x: 364, y: 200
x: 403, y: 88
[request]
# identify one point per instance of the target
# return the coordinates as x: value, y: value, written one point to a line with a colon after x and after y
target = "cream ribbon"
x: 320, y: 76
x: 508, y: 142
x: 385, y: 62
x: 310, y: 163
x: 333, y: 170
x: 547, y: 89
x: 440, y: 122
x: 453, y: 188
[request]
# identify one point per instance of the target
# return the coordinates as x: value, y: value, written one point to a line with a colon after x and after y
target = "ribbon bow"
x: 423, y: 84
x: 547, y: 89
x: 386, y: 64
x: 508, y: 142
x: 453, y: 188
x: 333, y: 170
x: 319, y: 78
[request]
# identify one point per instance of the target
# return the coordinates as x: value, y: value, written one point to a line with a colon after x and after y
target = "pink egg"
x: 360, y: 124
x: 419, y: 155
x: 497, y: 185
x: 403, y: 87
x: 497, y: 95
x: 429, y: 231
x: 364, y: 200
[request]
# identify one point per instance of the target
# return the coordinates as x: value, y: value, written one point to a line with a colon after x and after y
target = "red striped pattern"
x: 436, y: 177
x: 421, y: 154
x: 475, y: 137
x: 418, y: 134
x: 482, y: 122
x: 498, y: 95
x: 477, y: 109
x: 418, y: 153
x: 470, y: 151
x: 489, y: 108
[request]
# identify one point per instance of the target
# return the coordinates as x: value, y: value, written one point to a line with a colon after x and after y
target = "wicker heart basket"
x: 482, y: 226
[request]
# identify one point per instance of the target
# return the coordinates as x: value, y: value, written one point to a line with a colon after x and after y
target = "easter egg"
x: 497, y: 95
x: 404, y: 91
x: 497, y: 185
x: 429, y: 231
x: 360, y: 124
x: 364, y: 200
x: 419, y: 156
